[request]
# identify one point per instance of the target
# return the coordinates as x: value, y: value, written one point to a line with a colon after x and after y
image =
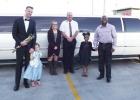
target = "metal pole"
x: 104, y: 8
x: 92, y: 8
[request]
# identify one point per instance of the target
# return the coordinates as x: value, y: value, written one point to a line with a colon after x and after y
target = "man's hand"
x: 113, y: 49
x: 55, y: 48
x: 70, y: 39
x: 23, y: 43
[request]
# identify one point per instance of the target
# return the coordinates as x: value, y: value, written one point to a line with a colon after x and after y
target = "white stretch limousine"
x: 128, y: 32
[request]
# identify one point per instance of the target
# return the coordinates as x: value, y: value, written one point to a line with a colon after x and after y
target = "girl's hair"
x: 52, y: 24
x: 37, y: 44
x: 87, y: 33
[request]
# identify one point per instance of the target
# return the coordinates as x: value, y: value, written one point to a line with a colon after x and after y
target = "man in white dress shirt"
x: 70, y: 30
x: 22, y: 28
x: 105, y: 40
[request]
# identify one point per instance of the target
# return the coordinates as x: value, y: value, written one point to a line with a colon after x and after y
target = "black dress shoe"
x: 100, y: 77
x: 72, y: 71
x: 26, y: 85
x: 54, y: 74
x: 108, y: 80
x: 16, y: 88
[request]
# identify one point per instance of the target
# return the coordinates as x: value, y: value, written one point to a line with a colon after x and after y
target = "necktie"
x: 70, y: 28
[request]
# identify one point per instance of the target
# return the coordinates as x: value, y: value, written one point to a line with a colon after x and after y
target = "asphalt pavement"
x: 125, y: 84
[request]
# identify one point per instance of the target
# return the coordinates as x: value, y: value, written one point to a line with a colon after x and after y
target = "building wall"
x: 136, y: 13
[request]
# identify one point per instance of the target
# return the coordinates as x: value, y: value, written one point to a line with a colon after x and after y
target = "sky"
x: 60, y: 7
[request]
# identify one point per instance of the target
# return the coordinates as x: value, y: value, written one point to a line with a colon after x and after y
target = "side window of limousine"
x: 131, y: 24
x: 117, y: 23
x: 6, y: 23
x: 43, y: 23
x: 88, y: 23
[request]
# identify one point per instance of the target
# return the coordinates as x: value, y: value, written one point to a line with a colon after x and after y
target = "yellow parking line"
x: 72, y: 87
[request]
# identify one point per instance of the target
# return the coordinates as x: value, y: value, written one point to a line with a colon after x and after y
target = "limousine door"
x: 7, y: 42
x: 132, y: 36
x: 7, y: 45
x: 117, y: 22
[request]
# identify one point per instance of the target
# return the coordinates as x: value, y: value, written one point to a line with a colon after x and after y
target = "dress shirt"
x: 105, y: 34
x: 55, y: 36
x: 26, y: 23
x: 64, y: 27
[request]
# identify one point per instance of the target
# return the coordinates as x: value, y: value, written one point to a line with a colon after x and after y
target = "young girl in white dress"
x: 34, y: 69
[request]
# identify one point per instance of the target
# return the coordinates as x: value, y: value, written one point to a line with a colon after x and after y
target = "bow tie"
x: 26, y: 19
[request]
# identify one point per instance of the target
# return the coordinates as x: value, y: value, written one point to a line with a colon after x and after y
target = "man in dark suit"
x: 22, y: 28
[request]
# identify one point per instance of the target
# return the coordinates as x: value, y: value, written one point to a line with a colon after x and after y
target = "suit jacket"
x: 52, y: 43
x: 19, y: 32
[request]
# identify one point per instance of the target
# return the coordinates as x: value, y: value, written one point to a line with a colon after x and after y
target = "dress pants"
x: 68, y: 55
x: 22, y: 59
x: 105, y: 58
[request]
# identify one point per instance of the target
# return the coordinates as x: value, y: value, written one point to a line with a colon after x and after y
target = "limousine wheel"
x: 139, y: 57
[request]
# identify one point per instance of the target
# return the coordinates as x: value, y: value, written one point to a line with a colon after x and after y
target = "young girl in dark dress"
x: 54, y: 40
x: 85, y: 53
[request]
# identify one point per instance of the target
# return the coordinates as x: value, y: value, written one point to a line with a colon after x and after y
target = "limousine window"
x: 117, y: 23
x: 43, y: 23
x: 88, y: 23
x: 6, y: 23
x: 131, y: 24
